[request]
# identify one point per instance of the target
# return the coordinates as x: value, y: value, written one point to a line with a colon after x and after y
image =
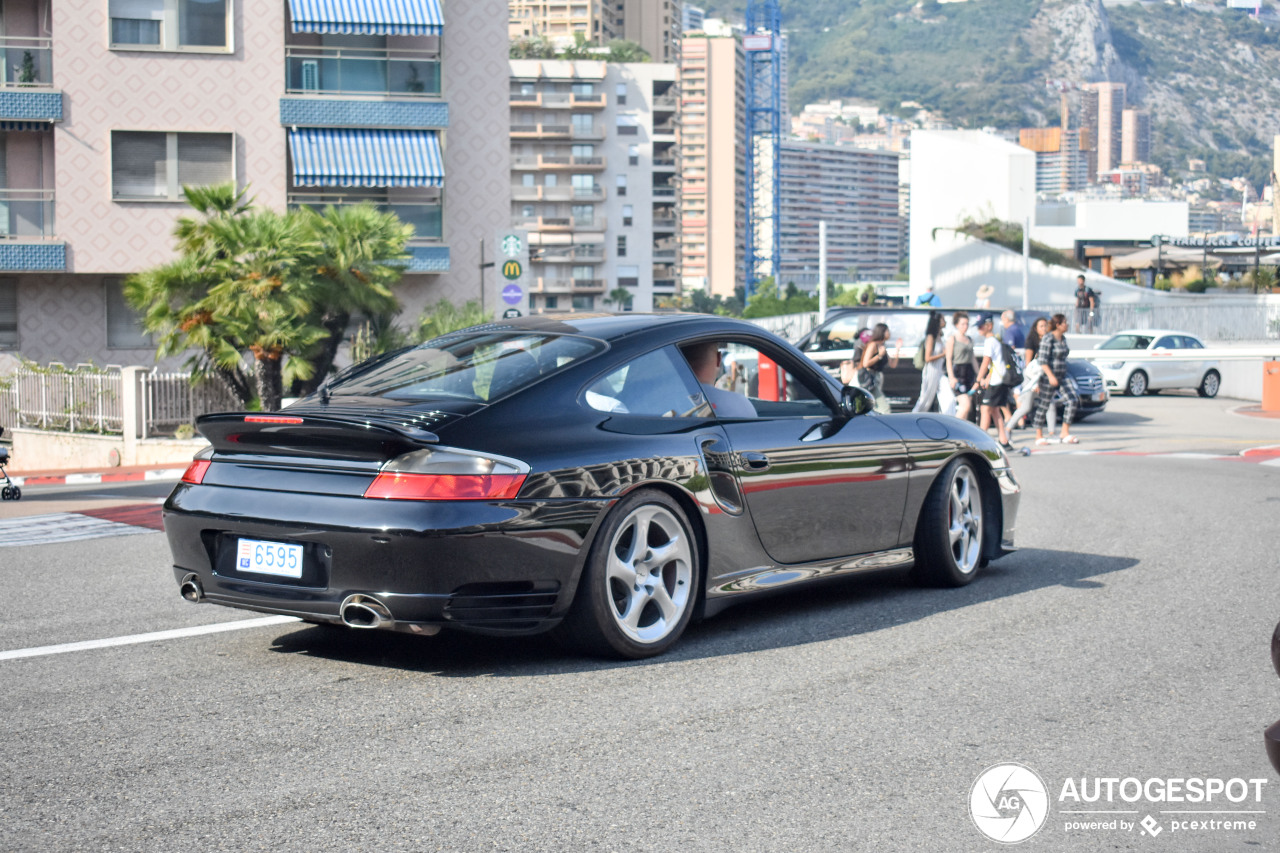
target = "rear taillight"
x: 445, y: 474
x: 271, y: 419
x: 195, y: 472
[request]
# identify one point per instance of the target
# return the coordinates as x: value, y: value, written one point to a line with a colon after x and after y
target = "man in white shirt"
x: 995, y: 394
x: 704, y: 358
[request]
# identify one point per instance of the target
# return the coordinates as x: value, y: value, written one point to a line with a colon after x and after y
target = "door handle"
x: 754, y: 461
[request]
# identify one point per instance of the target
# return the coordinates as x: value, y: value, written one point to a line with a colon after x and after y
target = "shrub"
x: 1196, y: 285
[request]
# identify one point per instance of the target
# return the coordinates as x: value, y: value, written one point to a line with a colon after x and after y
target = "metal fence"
x: 1241, y: 322
x: 77, y: 400
x: 92, y: 399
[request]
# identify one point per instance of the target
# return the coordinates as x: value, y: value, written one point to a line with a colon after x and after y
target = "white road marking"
x: 61, y: 527
x: 153, y: 637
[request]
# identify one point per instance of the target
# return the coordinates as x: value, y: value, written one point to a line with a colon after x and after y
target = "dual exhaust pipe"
x: 356, y: 611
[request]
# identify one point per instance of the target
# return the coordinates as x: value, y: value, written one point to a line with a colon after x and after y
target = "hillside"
x: 1207, y: 75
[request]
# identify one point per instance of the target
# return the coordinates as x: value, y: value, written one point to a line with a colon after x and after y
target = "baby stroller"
x: 10, y: 492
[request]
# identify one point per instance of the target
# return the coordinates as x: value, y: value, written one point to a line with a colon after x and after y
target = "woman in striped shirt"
x: 1052, y: 358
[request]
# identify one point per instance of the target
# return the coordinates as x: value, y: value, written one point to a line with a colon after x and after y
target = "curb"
x: 76, y: 478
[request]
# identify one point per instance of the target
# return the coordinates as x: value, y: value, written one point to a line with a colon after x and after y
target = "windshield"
x: 1127, y: 342
x: 841, y: 332
x: 478, y: 366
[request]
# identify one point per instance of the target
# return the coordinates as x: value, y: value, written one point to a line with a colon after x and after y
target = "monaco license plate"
x: 269, y: 558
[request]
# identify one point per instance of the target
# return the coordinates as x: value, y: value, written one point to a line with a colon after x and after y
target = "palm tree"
x: 357, y: 260
x: 445, y: 317
x: 619, y: 296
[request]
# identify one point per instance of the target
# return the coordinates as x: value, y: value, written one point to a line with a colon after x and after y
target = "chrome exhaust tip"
x: 364, y: 611
x: 190, y: 588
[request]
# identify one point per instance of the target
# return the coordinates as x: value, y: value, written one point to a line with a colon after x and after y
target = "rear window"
x: 477, y: 366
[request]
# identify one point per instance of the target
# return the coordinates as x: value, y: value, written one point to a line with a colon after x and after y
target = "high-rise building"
x: 1062, y: 157
x: 653, y: 24
x: 330, y: 102
x: 712, y: 147
x: 593, y: 168
x: 855, y: 191
x: 1104, y: 122
x: 1135, y: 136
x: 691, y: 17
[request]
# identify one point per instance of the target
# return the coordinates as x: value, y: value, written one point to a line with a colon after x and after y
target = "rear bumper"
x: 493, y: 567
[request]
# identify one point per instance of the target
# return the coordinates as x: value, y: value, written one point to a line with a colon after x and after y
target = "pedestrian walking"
x: 875, y: 357
x: 1053, y: 364
x: 991, y: 378
x: 962, y: 367
x: 1084, y: 305
x: 984, y: 296
x: 935, y: 355
x: 929, y: 297
x: 1031, y: 379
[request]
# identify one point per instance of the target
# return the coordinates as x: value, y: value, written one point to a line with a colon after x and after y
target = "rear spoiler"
x: 327, y: 436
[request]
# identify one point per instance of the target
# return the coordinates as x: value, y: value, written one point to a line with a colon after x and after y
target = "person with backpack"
x: 998, y: 365
x: 929, y: 298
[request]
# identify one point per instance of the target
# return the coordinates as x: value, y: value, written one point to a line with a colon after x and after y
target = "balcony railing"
x: 26, y: 214
x: 571, y: 255
x: 557, y: 193
x: 664, y: 223
x: 372, y: 71
x: 427, y: 218
x: 664, y: 192
x: 665, y: 102
x: 28, y: 62
x: 543, y: 130
x: 568, y: 285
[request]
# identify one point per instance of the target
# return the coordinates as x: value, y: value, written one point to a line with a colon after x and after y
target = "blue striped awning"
x: 370, y: 17
x: 25, y: 125
x: 329, y: 157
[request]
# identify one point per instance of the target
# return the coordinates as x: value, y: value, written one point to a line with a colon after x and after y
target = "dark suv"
x: 833, y: 341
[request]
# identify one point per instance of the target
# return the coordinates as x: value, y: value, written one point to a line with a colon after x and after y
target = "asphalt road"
x: 1127, y: 638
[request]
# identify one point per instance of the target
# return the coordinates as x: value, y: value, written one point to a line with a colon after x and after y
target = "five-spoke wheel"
x: 950, y: 536
x: 640, y: 584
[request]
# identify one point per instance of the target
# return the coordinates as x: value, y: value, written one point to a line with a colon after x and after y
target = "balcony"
x: 664, y: 223
x: 26, y: 214
x: 664, y: 192
x: 362, y: 71
x: 546, y: 284
x: 542, y: 131
x: 664, y: 163
x: 665, y: 102
x: 558, y: 193
x: 561, y: 161
x: 570, y: 255
x: 427, y: 218
x: 28, y: 62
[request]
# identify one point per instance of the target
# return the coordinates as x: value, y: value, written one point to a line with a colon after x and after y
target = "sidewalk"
x: 122, y: 474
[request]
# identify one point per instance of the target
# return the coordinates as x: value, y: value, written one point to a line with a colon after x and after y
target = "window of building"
x: 8, y: 313
x: 633, y: 155
x: 528, y: 89
x: 124, y: 324
x: 527, y: 211
x: 584, y: 88
x: 584, y: 185
x: 622, y: 184
x: 584, y: 303
x: 628, y: 126
x: 170, y: 24
x: 581, y: 151
x: 156, y: 165
x: 584, y: 214
x: 628, y: 214
x: 621, y: 93
x: 550, y: 302
x: 622, y: 245
x: 551, y: 179
x: 583, y: 122
x: 628, y: 275
x: 583, y: 272
x: 526, y: 180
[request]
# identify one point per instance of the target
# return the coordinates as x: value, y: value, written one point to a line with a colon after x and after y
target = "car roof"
x: 1155, y: 333
x: 609, y: 327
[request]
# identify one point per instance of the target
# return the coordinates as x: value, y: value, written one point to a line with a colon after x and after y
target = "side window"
x: 653, y: 385
x: 1191, y: 343
x: 1167, y: 342
x: 744, y: 382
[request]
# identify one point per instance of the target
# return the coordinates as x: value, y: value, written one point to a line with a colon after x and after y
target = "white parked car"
x: 1163, y: 364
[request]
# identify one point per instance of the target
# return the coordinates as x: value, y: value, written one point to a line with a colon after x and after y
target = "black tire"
x: 1210, y: 384
x: 619, y: 608
x: 950, y: 535
x: 16, y: 494
x: 1138, y: 384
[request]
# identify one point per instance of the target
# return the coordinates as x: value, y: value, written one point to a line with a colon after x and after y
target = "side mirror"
x: 856, y: 401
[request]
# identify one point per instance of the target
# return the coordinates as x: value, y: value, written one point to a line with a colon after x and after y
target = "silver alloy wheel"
x: 1137, y: 383
x: 964, y: 529
x: 649, y: 573
x: 1211, y: 383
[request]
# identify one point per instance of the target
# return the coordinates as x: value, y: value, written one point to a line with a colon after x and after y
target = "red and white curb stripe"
x: 108, y: 477
x: 1268, y: 455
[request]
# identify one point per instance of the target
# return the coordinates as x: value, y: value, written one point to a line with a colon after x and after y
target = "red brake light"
x: 399, y: 486
x: 195, y: 472
x: 271, y: 419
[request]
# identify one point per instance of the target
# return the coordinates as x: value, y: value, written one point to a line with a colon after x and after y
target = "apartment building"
x: 713, y: 168
x: 1135, y: 136
x: 593, y: 181
x: 855, y: 191
x: 653, y: 24
x: 1062, y: 157
x: 304, y: 102
x: 1104, y: 105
